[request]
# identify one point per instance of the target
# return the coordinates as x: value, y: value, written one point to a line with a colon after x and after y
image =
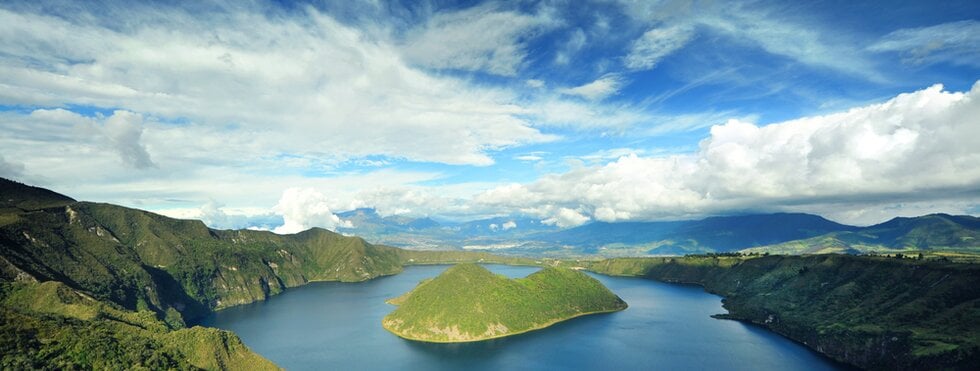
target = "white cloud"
x: 481, y: 38
x: 656, y: 44
x: 915, y: 147
x: 305, y: 208
x: 508, y: 225
x: 10, y: 170
x: 529, y: 158
x: 747, y: 23
x: 599, y: 89
x: 566, y: 218
x: 576, y: 41
x: 954, y: 42
x: 534, y: 83
x: 124, y: 129
x: 216, y: 215
x: 304, y: 84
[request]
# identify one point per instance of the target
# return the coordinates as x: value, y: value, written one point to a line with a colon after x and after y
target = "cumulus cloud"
x: 915, y: 147
x: 656, y: 44
x: 954, y: 42
x: 508, y: 225
x: 599, y: 89
x: 124, y: 130
x: 215, y: 215
x: 566, y: 218
x: 305, y: 208
x: 120, y: 133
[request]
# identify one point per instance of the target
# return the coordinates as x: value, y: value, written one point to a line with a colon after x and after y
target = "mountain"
x: 927, y: 232
x: 427, y: 233
x: 93, y: 285
x: 368, y: 220
x: 52, y: 326
x: 715, y: 234
x: 14, y: 195
x: 469, y: 303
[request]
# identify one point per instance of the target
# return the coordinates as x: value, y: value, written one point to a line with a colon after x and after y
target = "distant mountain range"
x: 786, y: 233
x: 928, y: 232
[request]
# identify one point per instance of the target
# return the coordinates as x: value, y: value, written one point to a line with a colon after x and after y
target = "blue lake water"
x: 330, y: 325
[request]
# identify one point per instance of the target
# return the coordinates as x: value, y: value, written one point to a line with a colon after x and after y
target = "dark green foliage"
x: 51, y: 326
x: 150, y: 276
x: 873, y: 312
x: 141, y: 260
x: 468, y: 303
x: 14, y: 195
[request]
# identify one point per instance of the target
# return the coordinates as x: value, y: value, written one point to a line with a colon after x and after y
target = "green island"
x: 93, y: 285
x: 469, y: 303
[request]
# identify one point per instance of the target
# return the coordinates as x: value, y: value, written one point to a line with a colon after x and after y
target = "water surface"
x: 331, y: 325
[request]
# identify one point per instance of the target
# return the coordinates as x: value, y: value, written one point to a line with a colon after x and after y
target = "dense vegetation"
x: 469, y: 303
x: 165, y: 271
x: 51, y: 326
x: 872, y: 312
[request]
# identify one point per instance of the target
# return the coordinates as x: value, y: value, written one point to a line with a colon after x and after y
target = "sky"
x: 279, y: 115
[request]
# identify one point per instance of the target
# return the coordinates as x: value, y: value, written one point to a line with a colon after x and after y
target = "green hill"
x: 469, y: 303
x: 932, y: 232
x: 51, y: 326
x: 147, y: 276
x: 872, y: 312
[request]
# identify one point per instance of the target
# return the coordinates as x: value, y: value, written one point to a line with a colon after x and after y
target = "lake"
x: 332, y: 325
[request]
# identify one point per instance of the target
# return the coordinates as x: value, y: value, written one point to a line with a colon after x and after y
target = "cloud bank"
x: 920, y: 146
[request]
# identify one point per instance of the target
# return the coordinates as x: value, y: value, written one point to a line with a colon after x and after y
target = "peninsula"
x: 469, y: 303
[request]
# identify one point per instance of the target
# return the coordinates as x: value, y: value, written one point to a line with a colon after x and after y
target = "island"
x: 468, y: 303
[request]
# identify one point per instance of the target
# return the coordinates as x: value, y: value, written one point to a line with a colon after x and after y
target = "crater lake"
x: 333, y: 325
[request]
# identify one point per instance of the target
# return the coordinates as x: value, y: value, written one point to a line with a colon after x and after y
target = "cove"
x: 332, y: 325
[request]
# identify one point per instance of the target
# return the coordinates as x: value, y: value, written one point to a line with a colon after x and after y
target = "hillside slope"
x: 49, y: 325
x: 178, y: 268
x: 148, y: 276
x: 469, y: 303
x: 872, y: 312
x: 87, y: 285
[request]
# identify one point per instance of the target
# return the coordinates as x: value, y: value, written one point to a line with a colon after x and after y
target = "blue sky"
x: 281, y: 114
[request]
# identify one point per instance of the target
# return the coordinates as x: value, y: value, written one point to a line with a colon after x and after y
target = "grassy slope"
x: 49, y: 325
x: 873, y: 312
x: 179, y: 268
x: 167, y: 270
x: 468, y: 303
